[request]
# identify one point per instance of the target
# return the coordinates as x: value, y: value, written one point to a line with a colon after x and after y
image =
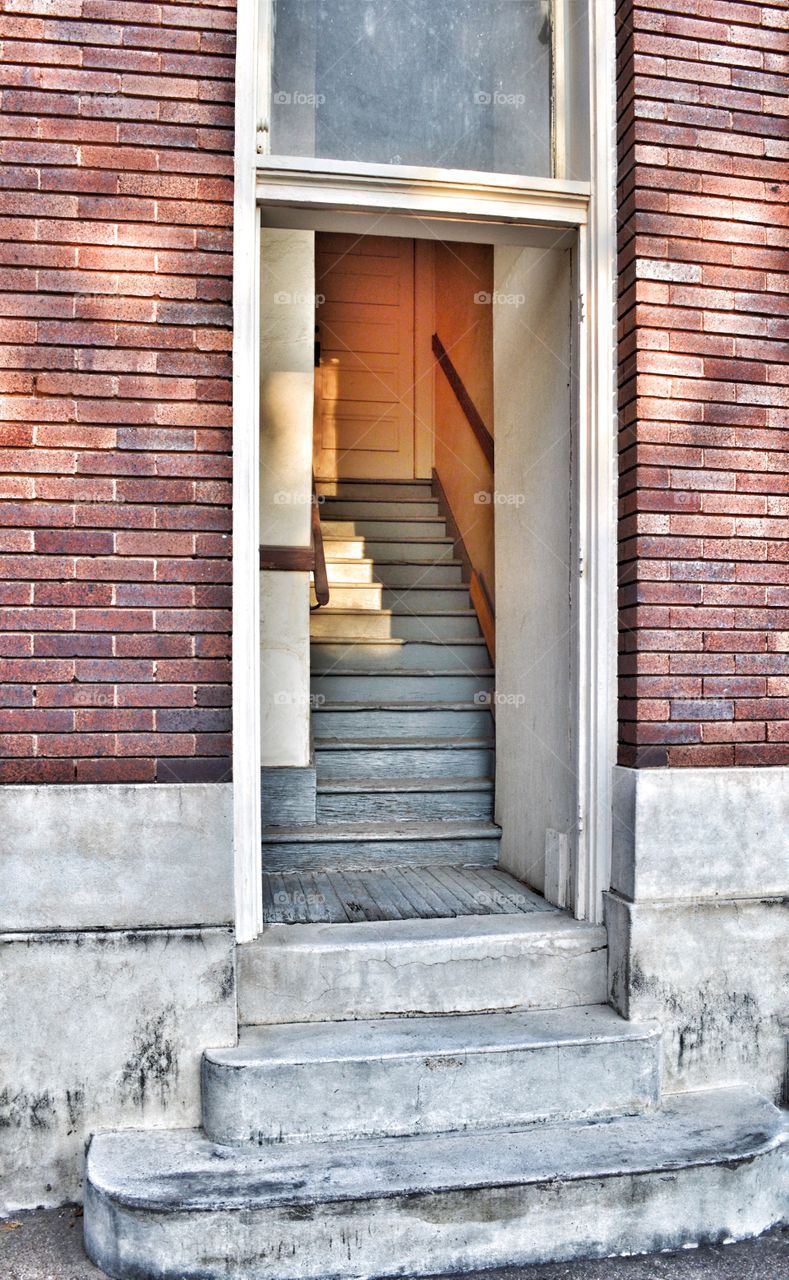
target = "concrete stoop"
x: 173, y: 1205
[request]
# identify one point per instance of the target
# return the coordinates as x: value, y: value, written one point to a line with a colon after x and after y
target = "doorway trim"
x: 394, y: 193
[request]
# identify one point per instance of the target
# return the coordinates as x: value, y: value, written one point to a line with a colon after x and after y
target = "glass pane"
x: 450, y: 84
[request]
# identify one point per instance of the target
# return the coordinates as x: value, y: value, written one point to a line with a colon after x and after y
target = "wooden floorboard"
x: 399, y: 893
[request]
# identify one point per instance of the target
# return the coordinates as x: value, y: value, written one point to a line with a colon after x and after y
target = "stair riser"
x: 391, y: 1096
x: 403, y: 529
x: 357, y: 855
x: 401, y: 626
x: 401, y: 688
x: 441, y: 1232
x: 393, y: 549
x: 329, y: 655
x: 349, y: 490
x: 395, y: 576
x: 383, y: 723
x: 326, y: 973
x: 404, y: 806
x: 433, y: 762
x: 378, y: 509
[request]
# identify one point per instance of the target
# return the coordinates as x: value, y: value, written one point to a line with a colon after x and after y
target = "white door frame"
x: 319, y: 188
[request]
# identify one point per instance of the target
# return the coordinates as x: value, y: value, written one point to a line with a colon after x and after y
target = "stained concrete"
x: 102, y: 1030
x: 47, y: 1245
x: 74, y: 857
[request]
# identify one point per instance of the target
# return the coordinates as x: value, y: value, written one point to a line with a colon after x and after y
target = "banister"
x: 473, y: 416
x: 311, y: 559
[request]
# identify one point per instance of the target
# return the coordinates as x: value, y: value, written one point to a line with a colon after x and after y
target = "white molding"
x: 246, y: 515
x: 597, y: 499
x: 438, y: 193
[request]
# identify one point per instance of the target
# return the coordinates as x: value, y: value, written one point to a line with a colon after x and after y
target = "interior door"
x: 364, y: 391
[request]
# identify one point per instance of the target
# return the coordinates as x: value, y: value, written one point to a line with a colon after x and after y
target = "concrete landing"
x: 175, y: 1206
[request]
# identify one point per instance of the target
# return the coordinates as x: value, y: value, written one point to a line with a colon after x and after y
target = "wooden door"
x: 364, y: 389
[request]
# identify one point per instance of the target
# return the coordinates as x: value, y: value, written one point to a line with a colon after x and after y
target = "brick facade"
x: 116, y: 151
x: 703, y: 307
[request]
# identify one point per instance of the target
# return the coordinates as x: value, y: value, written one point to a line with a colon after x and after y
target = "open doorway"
x: 442, y: 666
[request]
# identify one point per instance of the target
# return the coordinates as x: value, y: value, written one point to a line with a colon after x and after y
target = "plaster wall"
x: 535, y: 747
x: 698, y: 930
x: 116, y: 969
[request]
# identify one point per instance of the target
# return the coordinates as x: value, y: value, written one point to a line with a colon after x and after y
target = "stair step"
x: 371, y: 844
x: 461, y: 964
x: 334, y: 622
x: 402, y: 510
x: 394, y: 1076
x: 419, y: 490
x: 399, y: 757
x: 402, y: 530
x: 404, y: 799
x: 370, y: 596
x: 403, y: 572
x: 388, y: 550
x: 709, y: 1165
x: 357, y: 653
x: 342, y: 720
x: 398, y: 685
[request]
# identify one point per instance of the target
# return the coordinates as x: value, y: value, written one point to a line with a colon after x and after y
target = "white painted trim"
x: 246, y: 516
x: 559, y: 26
x: 597, y: 497
x: 439, y: 193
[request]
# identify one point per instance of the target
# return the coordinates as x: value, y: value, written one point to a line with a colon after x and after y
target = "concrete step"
x: 370, y: 596
x: 379, y: 844
x: 388, y: 550
x: 379, y: 508
x: 386, y: 490
x: 404, y: 799
x: 459, y: 964
x: 398, y: 685
x: 406, y: 572
x: 394, y: 1076
x: 357, y: 653
x: 406, y: 720
x: 399, y: 757
x: 708, y: 1165
x: 370, y: 624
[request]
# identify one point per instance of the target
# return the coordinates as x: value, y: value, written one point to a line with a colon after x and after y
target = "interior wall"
x: 286, y: 407
x: 536, y: 783
x: 464, y: 323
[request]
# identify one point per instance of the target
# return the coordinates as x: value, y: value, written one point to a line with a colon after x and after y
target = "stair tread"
x: 181, y: 1171
x: 341, y: 611
x: 404, y: 784
x: 307, y: 833
x: 457, y: 1034
x: 395, y: 641
x: 408, y: 671
x: 398, y: 744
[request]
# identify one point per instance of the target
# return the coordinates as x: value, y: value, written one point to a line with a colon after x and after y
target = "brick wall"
x: 703, y: 221
x: 116, y: 151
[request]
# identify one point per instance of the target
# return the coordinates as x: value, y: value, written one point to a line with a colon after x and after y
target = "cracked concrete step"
x: 356, y: 684
x: 395, y: 1076
x: 379, y: 844
x: 358, y: 653
x: 709, y: 1165
x: 348, y: 720
x: 461, y: 964
x: 404, y: 758
x: 404, y: 799
x: 404, y: 572
x: 387, y: 624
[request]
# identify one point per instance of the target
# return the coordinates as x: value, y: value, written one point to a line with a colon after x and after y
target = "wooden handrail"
x: 473, y: 416
x: 320, y: 577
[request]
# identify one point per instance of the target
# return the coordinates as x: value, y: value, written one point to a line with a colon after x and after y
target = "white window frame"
x: 321, y: 186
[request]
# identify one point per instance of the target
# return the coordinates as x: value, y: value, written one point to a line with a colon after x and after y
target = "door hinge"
x: 261, y: 131
x: 580, y: 819
x: 581, y: 307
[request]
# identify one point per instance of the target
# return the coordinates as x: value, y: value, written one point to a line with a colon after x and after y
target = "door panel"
x: 364, y: 388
